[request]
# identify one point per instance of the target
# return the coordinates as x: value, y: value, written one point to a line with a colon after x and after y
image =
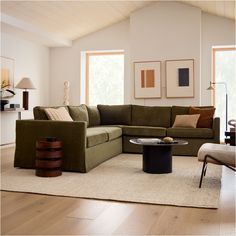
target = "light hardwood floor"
x: 34, y: 214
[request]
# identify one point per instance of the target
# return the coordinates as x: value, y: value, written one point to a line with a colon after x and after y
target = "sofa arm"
x: 72, y: 134
x: 216, y: 129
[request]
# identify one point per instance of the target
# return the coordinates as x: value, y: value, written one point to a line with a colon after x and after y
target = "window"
x: 104, y: 78
x: 224, y: 61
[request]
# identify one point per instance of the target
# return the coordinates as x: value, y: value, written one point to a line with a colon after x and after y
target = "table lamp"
x: 25, y: 83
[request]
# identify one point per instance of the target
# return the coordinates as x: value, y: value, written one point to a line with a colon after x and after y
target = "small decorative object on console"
x: 14, y: 105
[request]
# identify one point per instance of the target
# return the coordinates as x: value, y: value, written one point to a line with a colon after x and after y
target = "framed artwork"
x: 7, y: 75
x: 147, y: 79
x: 180, y: 78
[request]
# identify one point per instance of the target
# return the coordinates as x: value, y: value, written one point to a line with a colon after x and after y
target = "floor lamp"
x: 25, y: 83
x: 211, y: 87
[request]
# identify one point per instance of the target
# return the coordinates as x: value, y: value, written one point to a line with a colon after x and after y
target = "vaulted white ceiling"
x: 71, y: 19
x: 64, y: 21
x: 225, y: 8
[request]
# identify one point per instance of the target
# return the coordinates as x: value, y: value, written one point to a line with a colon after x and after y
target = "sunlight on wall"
x: 225, y: 71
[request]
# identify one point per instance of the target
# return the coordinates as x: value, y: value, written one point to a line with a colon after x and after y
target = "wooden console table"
x: 8, y: 124
x: 16, y: 111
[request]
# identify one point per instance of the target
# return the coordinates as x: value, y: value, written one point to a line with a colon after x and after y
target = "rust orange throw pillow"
x: 206, y: 116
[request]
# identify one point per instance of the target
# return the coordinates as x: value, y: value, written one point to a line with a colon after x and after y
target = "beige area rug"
x: 121, y: 178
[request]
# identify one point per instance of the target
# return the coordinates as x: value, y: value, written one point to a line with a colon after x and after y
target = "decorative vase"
x: 66, y: 93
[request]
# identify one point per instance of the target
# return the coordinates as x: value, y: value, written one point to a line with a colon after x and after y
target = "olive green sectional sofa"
x: 99, y: 133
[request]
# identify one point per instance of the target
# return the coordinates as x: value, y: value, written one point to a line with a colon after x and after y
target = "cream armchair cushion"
x: 221, y: 152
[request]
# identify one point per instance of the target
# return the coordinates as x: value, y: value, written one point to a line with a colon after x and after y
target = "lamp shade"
x: 25, y: 83
x: 211, y: 87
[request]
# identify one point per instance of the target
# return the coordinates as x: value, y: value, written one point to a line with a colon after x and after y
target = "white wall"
x: 216, y: 31
x: 160, y: 31
x: 166, y: 31
x: 30, y: 60
x: 65, y: 62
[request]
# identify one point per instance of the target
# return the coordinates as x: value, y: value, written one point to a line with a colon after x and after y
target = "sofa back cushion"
x: 151, y: 116
x: 115, y: 114
x: 40, y: 114
x: 79, y: 113
x: 94, y: 116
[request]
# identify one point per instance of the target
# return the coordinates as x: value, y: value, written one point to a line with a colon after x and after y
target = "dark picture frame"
x: 179, y: 78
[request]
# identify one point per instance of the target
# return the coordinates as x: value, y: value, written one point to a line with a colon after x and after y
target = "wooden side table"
x: 231, y: 139
x: 48, y: 157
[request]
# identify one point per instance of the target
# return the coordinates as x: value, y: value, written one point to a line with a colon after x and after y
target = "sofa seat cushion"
x: 112, y: 131
x: 96, y: 136
x: 102, y: 134
x: 190, y: 132
x: 144, y: 131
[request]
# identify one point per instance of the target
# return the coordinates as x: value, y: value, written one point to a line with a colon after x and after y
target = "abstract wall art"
x: 147, y: 79
x: 179, y: 78
x: 7, y: 77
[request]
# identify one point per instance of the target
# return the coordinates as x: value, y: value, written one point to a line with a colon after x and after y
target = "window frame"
x: 214, y: 51
x: 87, y: 64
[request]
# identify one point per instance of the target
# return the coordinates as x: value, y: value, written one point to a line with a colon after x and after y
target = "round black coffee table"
x: 157, y: 156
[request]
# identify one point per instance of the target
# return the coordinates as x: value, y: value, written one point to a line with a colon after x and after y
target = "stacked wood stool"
x: 48, y: 157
